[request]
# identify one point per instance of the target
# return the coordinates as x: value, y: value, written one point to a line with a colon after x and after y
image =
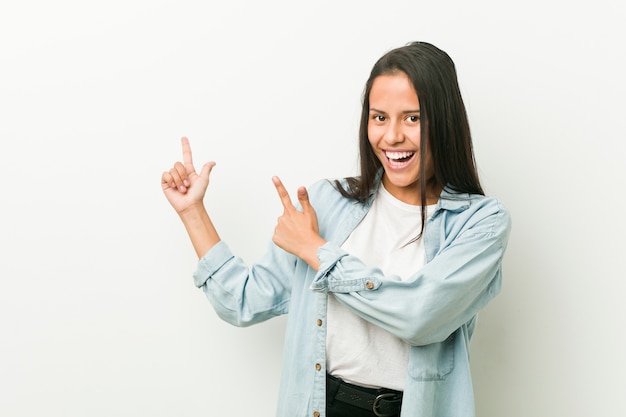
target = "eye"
x: 378, y: 118
x: 413, y: 118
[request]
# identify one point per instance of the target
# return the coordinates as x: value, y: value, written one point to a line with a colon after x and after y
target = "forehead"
x: 393, y: 89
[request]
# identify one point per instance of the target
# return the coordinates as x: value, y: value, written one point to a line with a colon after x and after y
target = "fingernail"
x: 186, y: 183
x: 181, y: 189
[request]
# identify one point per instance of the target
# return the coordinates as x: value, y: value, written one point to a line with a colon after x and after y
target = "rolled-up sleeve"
x: 243, y: 295
x: 361, y: 277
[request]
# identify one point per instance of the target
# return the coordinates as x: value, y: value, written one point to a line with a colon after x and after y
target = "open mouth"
x: 399, y: 159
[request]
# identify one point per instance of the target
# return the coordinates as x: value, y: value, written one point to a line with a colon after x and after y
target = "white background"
x: 98, y: 312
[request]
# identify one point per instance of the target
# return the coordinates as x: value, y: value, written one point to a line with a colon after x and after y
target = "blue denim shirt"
x: 434, y: 310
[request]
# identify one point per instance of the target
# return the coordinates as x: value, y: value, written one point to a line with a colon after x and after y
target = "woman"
x: 382, y: 274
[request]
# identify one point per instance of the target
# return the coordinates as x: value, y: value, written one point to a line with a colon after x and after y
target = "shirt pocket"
x: 432, y: 362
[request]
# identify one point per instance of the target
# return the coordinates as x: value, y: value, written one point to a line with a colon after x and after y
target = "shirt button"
x: 318, y: 367
x: 316, y: 414
x: 369, y: 285
x: 319, y: 322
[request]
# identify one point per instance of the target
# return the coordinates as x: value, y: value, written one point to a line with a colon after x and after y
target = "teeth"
x: 398, y: 155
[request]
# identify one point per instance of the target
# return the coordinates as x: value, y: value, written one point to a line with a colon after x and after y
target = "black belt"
x: 382, y: 402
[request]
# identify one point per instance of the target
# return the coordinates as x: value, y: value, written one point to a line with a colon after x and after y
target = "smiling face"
x: 393, y: 130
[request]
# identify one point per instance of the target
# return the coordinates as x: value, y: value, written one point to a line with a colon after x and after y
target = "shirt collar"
x: 449, y: 199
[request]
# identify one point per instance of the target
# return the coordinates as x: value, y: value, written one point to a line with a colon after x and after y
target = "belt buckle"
x: 377, y: 400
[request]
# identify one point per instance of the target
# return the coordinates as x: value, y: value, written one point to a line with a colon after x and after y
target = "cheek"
x: 373, y: 134
x: 415, y: 134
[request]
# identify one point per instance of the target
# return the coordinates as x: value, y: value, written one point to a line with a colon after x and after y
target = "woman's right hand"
x: 182, y: 186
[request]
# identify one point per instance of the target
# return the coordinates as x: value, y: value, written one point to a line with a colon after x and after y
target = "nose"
x: 393, y: 133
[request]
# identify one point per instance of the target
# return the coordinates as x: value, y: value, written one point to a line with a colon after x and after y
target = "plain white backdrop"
x: 98, y: 312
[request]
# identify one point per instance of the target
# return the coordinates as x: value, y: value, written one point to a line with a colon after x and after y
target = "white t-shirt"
x: 356, y: 350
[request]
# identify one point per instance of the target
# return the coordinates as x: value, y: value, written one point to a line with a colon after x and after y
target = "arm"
x: 185, y: 190
x: 240, y: 295
x: 243, y: 296
x: 447, y: 292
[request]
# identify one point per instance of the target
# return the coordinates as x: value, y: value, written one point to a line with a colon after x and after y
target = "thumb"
x: 206, y: 170
x: 303, y: 198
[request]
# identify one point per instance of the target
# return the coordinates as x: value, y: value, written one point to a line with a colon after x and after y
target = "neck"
x: 412, y: 195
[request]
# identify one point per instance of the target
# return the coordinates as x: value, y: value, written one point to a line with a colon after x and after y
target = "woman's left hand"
x: 297, y: 232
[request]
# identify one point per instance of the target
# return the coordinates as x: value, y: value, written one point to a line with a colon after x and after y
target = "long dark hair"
x: 444, y: 120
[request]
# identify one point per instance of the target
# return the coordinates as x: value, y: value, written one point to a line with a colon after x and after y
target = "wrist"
x: 192, y: 211
x: 309, y: 253
x: 199, y: 228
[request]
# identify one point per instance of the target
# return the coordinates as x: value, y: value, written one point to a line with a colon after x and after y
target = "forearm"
x: 308, y: 253
x: 200, y: 229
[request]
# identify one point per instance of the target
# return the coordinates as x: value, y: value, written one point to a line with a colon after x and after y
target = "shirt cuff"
x: 334, y: 276
x: 210, y: 263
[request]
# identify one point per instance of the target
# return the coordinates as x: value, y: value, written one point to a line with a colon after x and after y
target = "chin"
x: 401, y: 180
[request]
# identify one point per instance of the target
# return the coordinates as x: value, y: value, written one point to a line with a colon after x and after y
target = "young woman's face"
x: 393, y: 130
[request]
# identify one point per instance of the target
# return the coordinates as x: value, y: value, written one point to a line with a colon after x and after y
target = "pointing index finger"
x: 282, y: 194
x: 187, y: 159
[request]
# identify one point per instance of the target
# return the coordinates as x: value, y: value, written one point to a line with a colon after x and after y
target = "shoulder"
x: 474, y: 211
x: 326, y: 197
x: 325, y: 191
